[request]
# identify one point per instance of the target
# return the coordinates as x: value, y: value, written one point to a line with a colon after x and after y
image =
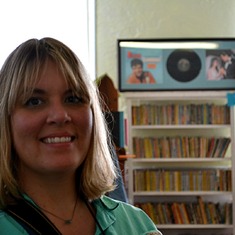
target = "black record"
x: 183, y: 65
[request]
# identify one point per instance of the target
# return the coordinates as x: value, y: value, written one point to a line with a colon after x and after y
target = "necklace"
x: 66, y: 221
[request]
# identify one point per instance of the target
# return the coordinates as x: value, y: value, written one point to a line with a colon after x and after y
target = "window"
x: 70, y: 21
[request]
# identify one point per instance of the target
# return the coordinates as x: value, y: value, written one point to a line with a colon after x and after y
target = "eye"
x: 73, y: 99
x: 33, y: 102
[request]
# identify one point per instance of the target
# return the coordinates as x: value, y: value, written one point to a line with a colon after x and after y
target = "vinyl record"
x: 183, y: 65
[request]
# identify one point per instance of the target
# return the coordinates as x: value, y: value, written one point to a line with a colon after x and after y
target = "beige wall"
x: 157, y: 19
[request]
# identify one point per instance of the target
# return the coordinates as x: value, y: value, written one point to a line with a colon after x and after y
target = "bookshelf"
x: 194, y: 167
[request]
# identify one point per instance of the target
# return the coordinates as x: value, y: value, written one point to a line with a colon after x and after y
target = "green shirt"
x: 114, y: 217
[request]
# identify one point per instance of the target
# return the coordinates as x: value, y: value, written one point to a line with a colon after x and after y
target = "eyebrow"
x: 39, y: 91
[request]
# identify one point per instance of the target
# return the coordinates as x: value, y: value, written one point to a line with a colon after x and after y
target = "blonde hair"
x: 19, y: 72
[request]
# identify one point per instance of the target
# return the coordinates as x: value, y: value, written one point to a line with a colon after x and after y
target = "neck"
x: 51, y: 190
x: 59, y: 206
x: 67, y: 220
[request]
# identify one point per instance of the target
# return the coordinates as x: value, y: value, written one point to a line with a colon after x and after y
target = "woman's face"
x: 52, y: 129
x: 215, y: 63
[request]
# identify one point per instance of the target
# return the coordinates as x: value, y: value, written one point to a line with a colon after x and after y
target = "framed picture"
x: 176, y: 64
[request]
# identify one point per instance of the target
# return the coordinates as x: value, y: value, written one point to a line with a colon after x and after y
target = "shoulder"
x: 113, y: 204
x: 148, y: 73
x: 132, y: 79
x: 149, y: 77
x: 9, y: 226
x: 126, y: 216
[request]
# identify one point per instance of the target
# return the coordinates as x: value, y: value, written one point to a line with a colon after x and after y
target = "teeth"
x: 57, y: 140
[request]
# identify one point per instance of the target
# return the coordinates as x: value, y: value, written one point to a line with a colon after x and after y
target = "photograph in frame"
x: 170, y: 64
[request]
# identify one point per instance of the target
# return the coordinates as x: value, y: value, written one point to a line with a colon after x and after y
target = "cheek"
x: 23, y: 126
x: 135, y: 70
x: 84, y: 121
x: 138, y: 70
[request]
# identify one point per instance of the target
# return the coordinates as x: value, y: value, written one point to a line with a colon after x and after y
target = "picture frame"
x: 176, y: 64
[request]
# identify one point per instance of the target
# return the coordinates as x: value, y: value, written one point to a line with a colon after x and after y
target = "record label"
x: 183, y: 65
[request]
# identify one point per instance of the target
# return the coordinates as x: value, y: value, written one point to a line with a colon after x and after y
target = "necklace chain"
x: 66, y: 221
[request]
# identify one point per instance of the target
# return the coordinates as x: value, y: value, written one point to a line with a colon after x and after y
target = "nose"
x: 58, y: 114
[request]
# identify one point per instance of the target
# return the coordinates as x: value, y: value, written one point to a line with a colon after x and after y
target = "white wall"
x: 70, y: 21
x: 157, y: 19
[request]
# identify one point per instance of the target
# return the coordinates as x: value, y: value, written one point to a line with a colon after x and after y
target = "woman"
x: 215, y: 71
x: 55, y: 158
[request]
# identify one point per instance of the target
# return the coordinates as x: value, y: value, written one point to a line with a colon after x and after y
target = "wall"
x: 157, y: 19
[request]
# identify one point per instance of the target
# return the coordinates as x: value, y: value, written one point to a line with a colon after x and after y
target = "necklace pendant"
x: 69, y: 221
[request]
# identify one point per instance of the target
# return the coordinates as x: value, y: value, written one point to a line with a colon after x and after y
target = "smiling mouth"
x: 56, y: 140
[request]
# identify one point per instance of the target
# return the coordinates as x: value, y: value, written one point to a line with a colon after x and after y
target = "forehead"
x: 50, y: 77
x: 137, y: 66
x: 51, y: 73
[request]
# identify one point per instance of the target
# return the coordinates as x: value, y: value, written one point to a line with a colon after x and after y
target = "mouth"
x: 58, y: 140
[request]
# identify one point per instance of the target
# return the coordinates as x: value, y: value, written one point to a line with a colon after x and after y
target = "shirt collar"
x: 104, y: 207
x: 104, y: 211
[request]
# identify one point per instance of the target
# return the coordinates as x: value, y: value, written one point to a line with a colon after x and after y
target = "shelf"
x: 150, y: 127
x: 179, y: 163
x: 170, y: 157
x: 181, y: 160
x: 182, y: 193
x: 175, y: 95
x: 194, y: 226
